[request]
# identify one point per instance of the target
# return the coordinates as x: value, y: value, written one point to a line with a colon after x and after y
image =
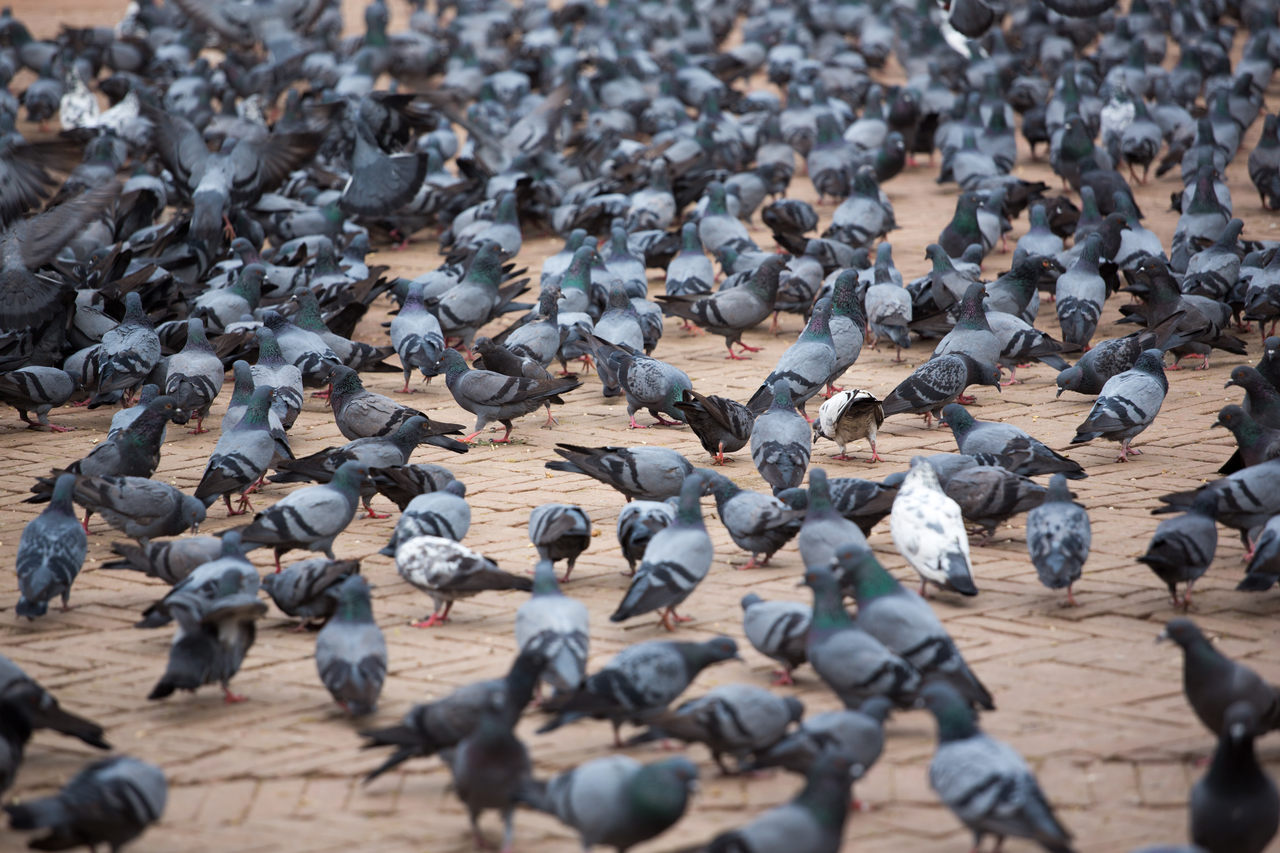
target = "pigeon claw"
x: 782, y: 678
x: 232, y: 698
x: 370, y: 513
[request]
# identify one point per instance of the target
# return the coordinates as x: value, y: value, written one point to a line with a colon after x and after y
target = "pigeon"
x: 402, y: 483
x: 812, y: 822
x: 889, y: 314
x: 37, y: 389
x: 306, y: 589
x: 994, y: 443
x: 416, y: 336
x: 51, y: 551
x: 850, y: 416
x: 854, y: 664
x: 616, y: 800
x: 803, y: 367
x: 363, y: 414
x: 651, y: 473
x: 195, y: 375
x: 985, y: 782
x: 640, y: 681
x: 972, y: 335
x: 824, y: 530
x: 447, y: 571
x: 215, y: 631
x: 111, y: 801
x: 781, y: 441
x: 757, y: 523
x: 444, y: 513
x: 736, y: 719
x: 241, y: 457
x: 489, y: 767
x: 1244, y: 500
x: 728, y: 313
x: 648, y: 383
x: 476, y: 298
x: 1183, y: 547
x: 1127, y: 404
x: 140, y: 508
x: 1214, y: 683
x: 557, y: 627
x: 351, y: 654
x: 426, y: 729
x: 309, y: 518
x: 690, y: 272
x: 128, y: 352
x: 778, y: 630
x: 39, y: 708
x: 1261, y: 398
x: 1203, y: 322
x: 560, y: 532
x: 273, y: 372
x: 1255, y: 443
x: 491, y: 396
x: 1115, y: 355
x: 722, y: 425
x: 638, y: 521
x: 1058, y: 538
x: 676, y: 559
x: 858, y: 734
x: 1079, y: 294
x: 1235, y: 805
x: 304, y: 349
x: 937, y: 382
x: 928, y: 531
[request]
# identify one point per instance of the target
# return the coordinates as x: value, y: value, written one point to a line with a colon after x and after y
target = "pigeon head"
x: 689, y: 510
x: 353, y: 600
x: 1182, y: 631
x: 269, y: 351
x: 718, y: 649
x: 192, y: 513
x: 63, y: 488
x: 922, y: 474
x: 1232, y: 417
x: 1246, y: 377
x: 350, y: 475
x: 1152, y: 361
x: 242, y: 390
x: 795, y: 708
x: 958, y: 418
x: 1240, y: 723
x: 1058, y: 490
x: 750, y: 599
x: 859, y: 568
x: 971, y: 311
x: 781, y: 395
x: 954, y: 716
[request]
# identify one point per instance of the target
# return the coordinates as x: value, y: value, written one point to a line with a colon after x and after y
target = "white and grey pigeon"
x: 416, y: 335
x: 638, y: 521
x: 195, y: 375
x: 848, y: 416
x: 778, y: 630
x: 448, y: 571
x: 1058, y: 538
x: 128, y: 352
x: 51, y: 551
x: 560, y: 532
x: 557, y: 627
x: 351, y: 653
x: 444, y: 513
x: 1127, y: 404
x: 928, y: 530
x: 676, y: 559
x: 781, y: 441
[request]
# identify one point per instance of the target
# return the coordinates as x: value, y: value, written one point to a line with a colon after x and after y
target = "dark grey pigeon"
x: 1127, y: 404
x: 936, y: 383
x: 616, y: 800
x: 803, y: 367
x: 15, y: 732
x: 1255, y: 443
x: 1214, y: 682
x: 129, y: 352
x: 652, y: 473
x: 306, y: 589
x: 37, y: 389
x: 489, y: 767
x: 492, y: 396
x: 241, y: 457
x: 195, y: 375
x: 858, y: 734
x: 1058, y: 538
x: 1235, y: 805
x: 51, y: 551
x: 140, y: 508
x: 556, y: 627
x: 39, y: 708
x: 985, y: 782
x: 728, y: 313
x: 824, y: 530
x: 1261, y: 398
x: 779, y: 630
x: 989, y: 495
x: 363, y: 414
x: 638, y: 521
x: 781, y: 441
x: 732, y: 719
x: 1264, y: 566
x: 379, y: 182
x: 111, y: 801
x: 448, y: 571
x: 416, y: 335
x: 203, y: 580
x: 641, y: 680
x: 1115, y: 355
x: 1182, y: 547
x: 351, y: 654
x: 854, y: 664
x: 402, y: 483
x: 311, y: 517
x: 443, y: 513
x: 813, y: 822
x: 757, y: 523
x: 560, y: 532
x: 995, y: 443
x: 676, y: 559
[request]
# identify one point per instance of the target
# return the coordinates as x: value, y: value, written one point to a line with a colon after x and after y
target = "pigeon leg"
x: 87, y: 531
x: 720, y: 454
x: 966, y: 399
x: 664, y: 422
x: 406, y: 389
x: 1071, y: 599
x: 437, y: 618
x: 232, y: 698
x: 228, y: 229
x: 508, y: 829
x: 924, y: 590
x: 635, y: 425
x: 747, y: 347
x: 244, y: 502
x: 277, y: 552
x: 841, y: 456
x: 506, y: 436
x: 897, y: 355
x: 875, y: 457
x: 199, y: 430
x: 1013, y: 377
x: 676, y: 617
x: 782, y: 678
x: 551, y: 421
x: 773, y: 327
x: 733, y: 356
x: 370, y: 513
x: 617, y: 733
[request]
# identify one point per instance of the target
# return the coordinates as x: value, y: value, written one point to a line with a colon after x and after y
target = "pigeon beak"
x: 1162, y: 636
x: 1059, y: 394
x: 1218, y: 423
x: 1230, y: 382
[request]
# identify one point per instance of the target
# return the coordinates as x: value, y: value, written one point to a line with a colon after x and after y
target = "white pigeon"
x: 447, y: 571
x: 929, y: 531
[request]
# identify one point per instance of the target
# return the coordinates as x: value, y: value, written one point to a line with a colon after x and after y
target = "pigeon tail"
x: 958, y: 577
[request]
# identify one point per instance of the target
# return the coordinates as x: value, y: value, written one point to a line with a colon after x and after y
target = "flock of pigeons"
x: 205, y: 215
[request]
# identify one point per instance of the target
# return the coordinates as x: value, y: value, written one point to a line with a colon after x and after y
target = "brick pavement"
x: 1083, y: 693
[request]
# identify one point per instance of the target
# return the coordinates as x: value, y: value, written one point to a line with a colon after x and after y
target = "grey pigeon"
x: 51, y: 551
x: 306, y: 589
x: 928, y: 530
x: 812, y: 822
x: 858, y: 734
x: 1244, y: 500
x: 311, y: 517
x: 728, y: 313
x: 1079, y: 295
x: 351, y: 654
x: 889, y: 314
x: 648, y: 383
x: 676, y: 559
x: 475, y: 299
x: 303, y: 349
x: 443, y: 513
x: 1127, y: 404
x: 128, y: 352
x: 616, y: 800
x: 1115, y: 355
x: 907, y: 625
x: 241, y: 457
x: 560, y: 532
x: 215, y: 632
x: 1058, y: 538
x: 985, y: 782
x: 995, y: 443
x: 492, y: 396
x: 824, y: 530
x: 111, y: 801
x: 938, y: 382
x: 1261, y: 398
x: 779, y: 630
x: 1235, y: 806
x: 734, y: 719
x: 364, y: 414
x: 220, y: 307
x: 641, y: 680
x: 850, y: 416
x: 972, y: 335
x: 781, y: 441
x: 652, y: 473
x: 854, y: 664
x: 721, y: 424
x: 416, y: 336
x: 169, y: 560
x: 204, y: 579
x: 1182, y: 547
x: 1264, y: 567
x: 757, y: 523
x: 273, y: 372
x: 241, y: 393
x: 39, y: 709
x: 988, y: 495
x: 689, y: 272
x: 489, y: 767
x: 140, y: 508
x: 37, y: 389
x: 638, y: 521
x: 448, y: 571
x: 195, y: 375
x: 803, y: 367
x: 1214, y: 682
x: 557, y: 627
